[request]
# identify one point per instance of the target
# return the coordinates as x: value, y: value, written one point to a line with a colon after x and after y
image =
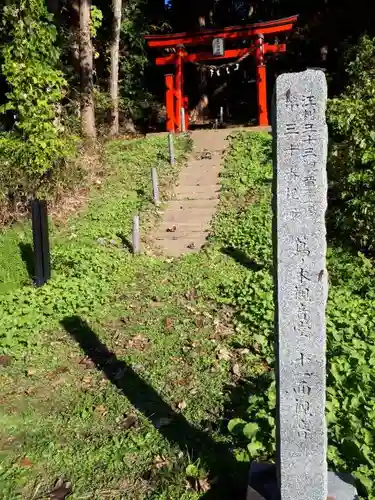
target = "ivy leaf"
x: 254, y: 448
x: 250, y: 430
x: 364, y: 480
x: 236, y: 426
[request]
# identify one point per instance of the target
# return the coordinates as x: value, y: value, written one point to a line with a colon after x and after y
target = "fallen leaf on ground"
x: 25, y: 462
x: 138, y: 342
x: 224, y: 354
x: 236, y: 370
x: 5, y: 360
x: 182, y: 381
x: 204, y: 485
x: 156, y: 303
x: 58, y: 371
x: 30, y: 372
x: 168, y: 323
x: 160, y: 462
x: 182, y: 405
x: 199, y: 322
x: 200, y: 485
x: 87, y: 362
x: 61, y: 490
x: 101, y: 410
x: 59, y: 381
x: 87, y: 382
x: 129, y: 421
x: 191, y: 294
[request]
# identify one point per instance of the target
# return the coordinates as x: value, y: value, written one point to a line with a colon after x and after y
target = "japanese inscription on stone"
x: 300, y: 190
x: 218, y: 47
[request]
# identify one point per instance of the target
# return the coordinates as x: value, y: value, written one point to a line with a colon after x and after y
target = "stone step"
x: 175, y: 248
x: 197, y: 188
x: 203, y: 217
x: 184, y: 205
x: 181, y: 235
x: 210, y: 174
x: 184, y: 226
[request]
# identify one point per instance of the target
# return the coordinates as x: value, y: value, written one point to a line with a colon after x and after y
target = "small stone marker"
x: 301, y: 285
x: 221, y: 115
x: 171, y: 149
x: 155, y: 186
x: 183, y: 124
x: 136, y: 236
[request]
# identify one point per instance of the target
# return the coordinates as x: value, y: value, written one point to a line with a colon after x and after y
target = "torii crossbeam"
x: 181, y: 44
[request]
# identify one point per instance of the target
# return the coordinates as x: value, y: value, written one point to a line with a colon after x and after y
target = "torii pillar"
x: 261, y: 82
x: 169, y: 102
x: 174, y: 95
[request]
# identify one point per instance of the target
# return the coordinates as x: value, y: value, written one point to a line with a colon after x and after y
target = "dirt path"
x: 186, y: 220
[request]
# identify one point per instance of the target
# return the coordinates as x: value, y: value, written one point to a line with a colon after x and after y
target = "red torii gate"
x: 174, y: 96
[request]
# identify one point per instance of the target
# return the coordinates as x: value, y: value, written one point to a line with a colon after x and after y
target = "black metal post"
x: 41, y: 242
x: 45, y: 241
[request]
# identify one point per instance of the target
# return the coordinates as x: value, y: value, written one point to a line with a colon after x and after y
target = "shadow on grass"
x: 27, y: 255
x: 125, y: 242
x: 241, y: 258
x: 230, y: 475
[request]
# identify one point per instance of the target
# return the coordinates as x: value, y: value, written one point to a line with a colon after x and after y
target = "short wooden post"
x: 183, y: 122
x: 155, y: 185
x: 186, y: 107
x: 171, y: 149
x: 136, y: 236
x: 39, y: 217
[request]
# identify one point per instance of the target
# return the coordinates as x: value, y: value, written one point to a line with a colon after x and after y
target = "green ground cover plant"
x: 350, y: 322
x: 352, y: 158
x: 151, y: 378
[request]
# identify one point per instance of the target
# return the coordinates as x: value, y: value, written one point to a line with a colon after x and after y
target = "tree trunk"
x: 74, y: 38
x: 86, y: 64
x: 114, y: 78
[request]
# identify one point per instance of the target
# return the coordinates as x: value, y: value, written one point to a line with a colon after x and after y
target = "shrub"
x: 352, y: 156
x: 37, y: 143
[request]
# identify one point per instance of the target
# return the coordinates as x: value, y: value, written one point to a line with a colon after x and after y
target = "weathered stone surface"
x: 341, y: 486
x: 301, y: 282
x: 263, y: 485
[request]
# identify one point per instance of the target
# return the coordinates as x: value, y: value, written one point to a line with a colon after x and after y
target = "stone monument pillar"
x: 301, y: 289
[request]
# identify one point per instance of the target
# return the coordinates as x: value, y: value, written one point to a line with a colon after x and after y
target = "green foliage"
x: 247, y: 186
x: 350, y: 323
x: 352, y: 157
x: 36, y: 87
x: 96, y: 20
x: 126, y: 301
x: 88, y: 258
x: 133, y: 58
